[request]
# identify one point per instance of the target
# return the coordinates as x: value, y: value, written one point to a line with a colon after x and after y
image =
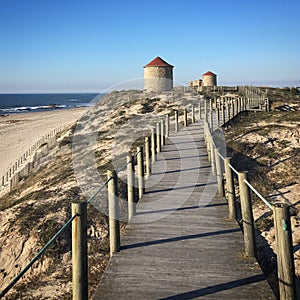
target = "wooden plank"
x: 180, y: 245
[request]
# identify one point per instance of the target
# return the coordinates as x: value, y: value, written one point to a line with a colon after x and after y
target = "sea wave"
x: 23, y: 109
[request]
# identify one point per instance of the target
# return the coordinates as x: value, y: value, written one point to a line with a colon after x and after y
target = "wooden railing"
x: 138, y: 166
x: 225, y: 173
x: 216, y: 112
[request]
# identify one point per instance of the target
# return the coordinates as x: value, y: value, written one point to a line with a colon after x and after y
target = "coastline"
x: 18, y: 132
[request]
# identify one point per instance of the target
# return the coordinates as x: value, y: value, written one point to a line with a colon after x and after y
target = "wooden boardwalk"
x: 180, y: 245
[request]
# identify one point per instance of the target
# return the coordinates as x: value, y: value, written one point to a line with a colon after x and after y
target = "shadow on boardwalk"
x: 217, y: 288
x: 180, y: 244
x: 179, y: 238
x: 181, y: 208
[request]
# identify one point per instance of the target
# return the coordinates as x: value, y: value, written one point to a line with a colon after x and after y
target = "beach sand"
x: 18, y: 132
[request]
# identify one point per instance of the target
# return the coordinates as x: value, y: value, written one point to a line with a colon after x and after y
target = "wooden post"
x: 200, y: 111
x: 153, y: 146
x: 162, y: 135
x: 219, y: 169
x: 230, y: 192
x: 147, y: 152
x: 208, y: 143
x: 247, y: 216
x: 223, y: 113
x: 140, y: 165
x: 218, y: 115
x: 205, y: 109
x: 267, y: 105
x: 193, y: 114
x: 130, y: 186
x: 10, y: 183
x: 211, y: 124
x: 79, y: 251
x: 284, y: 249
x: 176, y: 120
x: 228, y: 109
x: 158, y: 141
x: 212, y: 156
x: 17, y: 177
x: 167, y: 125
x: 185, y: 122
x: 113, y: 210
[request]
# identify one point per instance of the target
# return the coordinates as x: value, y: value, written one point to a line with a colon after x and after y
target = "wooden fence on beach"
x: 214, y: 113
x: 28, y: 161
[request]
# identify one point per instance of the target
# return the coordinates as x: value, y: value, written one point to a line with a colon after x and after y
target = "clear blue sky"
x: 81, y: 46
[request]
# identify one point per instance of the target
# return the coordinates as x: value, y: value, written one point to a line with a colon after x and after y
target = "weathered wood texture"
x: 180, y: 244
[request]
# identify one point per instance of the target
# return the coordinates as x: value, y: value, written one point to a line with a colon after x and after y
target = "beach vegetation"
x: 40, y: 204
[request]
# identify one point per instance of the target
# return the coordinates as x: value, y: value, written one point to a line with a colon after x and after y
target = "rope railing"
x: 233, y: 169
x: 221, y: 156
x: 59, y: 232
x: 259, y: 195
x: 99, y: 190
x: 243, y: 212
x: 237, y: 172
x: 247, y: 182
x: 54, y: 238
x: 109, y: 182
x: 136, y: 154
x: 122, y: 168
x: 37, y: 256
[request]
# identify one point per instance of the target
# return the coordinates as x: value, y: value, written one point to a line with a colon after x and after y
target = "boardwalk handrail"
x: 259, y: 195
x: 282, y: 223
x: 99, y: 190
x: 159, y: 139
x: 247, y: 182
x: 54, y: 238
x: 233, y: 169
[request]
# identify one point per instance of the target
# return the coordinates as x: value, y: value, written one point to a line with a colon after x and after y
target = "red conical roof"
x: 158, y: 62
x: 209, y: 73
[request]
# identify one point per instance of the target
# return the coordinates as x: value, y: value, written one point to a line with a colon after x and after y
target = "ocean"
x: 22, y: 103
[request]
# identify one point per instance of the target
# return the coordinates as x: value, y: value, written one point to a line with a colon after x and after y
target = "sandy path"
x: 18, y: 132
